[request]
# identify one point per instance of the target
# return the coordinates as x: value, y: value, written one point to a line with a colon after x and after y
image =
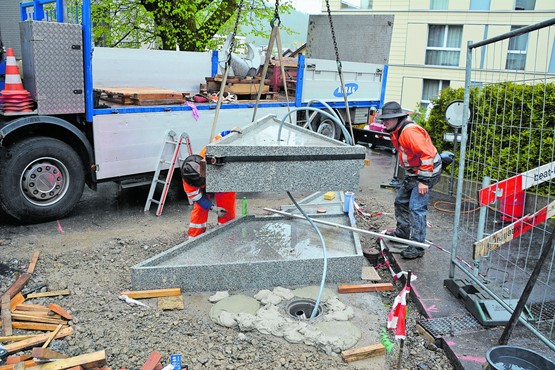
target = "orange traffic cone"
x: 14, y: 97
x: 13, y: 79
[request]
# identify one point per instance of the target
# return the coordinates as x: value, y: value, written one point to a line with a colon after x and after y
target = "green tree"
x: 188, y: 24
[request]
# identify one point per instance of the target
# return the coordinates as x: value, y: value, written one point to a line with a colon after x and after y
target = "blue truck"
x: 71, y: 138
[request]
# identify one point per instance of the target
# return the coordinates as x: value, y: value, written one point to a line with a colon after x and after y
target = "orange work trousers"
x: 199, y: 215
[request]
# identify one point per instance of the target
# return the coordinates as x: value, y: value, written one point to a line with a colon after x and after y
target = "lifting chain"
x: 339, y: 70
x: 276, y: 15
x: 226, y: 71
x: 333, y: 36
x: 232, y: 43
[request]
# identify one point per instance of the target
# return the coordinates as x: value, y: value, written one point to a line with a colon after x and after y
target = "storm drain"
x: 443, y: 326
x: 301, y: 309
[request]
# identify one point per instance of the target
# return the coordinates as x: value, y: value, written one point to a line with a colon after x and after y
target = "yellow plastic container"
x: 330, y: 195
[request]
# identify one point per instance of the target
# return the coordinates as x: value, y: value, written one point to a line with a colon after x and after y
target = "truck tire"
x: 41, y: 179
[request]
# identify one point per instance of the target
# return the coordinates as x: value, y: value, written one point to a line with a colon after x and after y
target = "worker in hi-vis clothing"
x: 193, y: 173
x: 420, y: 158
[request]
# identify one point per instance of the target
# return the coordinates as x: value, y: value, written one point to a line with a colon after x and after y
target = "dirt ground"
x: 91, y: 251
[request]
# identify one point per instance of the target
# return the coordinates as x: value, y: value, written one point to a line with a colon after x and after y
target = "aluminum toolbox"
x: 302, y: 160
x: 53, y: 66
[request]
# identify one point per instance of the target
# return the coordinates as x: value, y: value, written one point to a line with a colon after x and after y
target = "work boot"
x: 393, y: 232
x: 412, y: 252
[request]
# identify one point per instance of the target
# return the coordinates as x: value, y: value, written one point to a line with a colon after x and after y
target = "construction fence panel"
x: 505, y: 187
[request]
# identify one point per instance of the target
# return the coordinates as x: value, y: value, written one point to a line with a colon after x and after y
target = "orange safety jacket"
x: 416, y: 151
x: 201, y: 204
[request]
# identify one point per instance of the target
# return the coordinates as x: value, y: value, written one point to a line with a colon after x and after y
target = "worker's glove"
x: 218, y: 210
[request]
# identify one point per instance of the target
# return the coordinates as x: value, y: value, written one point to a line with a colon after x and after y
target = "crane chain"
x: 232, y: 43
x: 276, y: 15
x: 333, y: 35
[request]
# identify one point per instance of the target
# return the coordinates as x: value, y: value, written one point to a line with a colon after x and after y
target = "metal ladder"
x: 170, y: 154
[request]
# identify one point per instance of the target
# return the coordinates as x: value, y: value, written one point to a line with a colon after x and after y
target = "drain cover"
x: 443, y: 326
x: 302, y: 308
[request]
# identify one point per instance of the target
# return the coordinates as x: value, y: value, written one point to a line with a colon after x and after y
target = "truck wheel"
x: 41, y: 179
x: 327, y: 128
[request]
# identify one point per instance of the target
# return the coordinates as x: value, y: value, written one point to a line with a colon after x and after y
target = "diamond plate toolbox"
x: 53, y: 66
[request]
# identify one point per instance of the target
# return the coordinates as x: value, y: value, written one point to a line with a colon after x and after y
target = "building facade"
x: 428, y: 46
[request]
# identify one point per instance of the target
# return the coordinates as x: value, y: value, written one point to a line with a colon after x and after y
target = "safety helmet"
x: 392, y: 109
x: 191, y: 171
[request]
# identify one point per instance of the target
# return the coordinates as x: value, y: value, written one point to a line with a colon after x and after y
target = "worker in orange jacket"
x: 420, y: 158
x: 193, y: 173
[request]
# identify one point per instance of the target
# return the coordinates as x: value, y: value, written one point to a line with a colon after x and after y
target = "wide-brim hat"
x: 392, y: 110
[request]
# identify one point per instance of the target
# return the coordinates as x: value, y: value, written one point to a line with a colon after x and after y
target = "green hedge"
x: 511, y: 128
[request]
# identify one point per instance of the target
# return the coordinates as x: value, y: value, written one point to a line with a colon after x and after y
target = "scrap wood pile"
x: 243, y: 88
x: 29, y: 350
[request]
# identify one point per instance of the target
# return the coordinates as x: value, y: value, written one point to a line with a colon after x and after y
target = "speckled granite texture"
x: 302, y: 160
x: 255, y: 252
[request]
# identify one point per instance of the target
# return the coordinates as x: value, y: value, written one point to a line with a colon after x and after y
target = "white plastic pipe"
x: 377, y: 235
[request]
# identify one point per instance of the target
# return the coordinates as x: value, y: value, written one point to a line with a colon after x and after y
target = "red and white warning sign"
x: 508, y: 233
x: 515, y: 184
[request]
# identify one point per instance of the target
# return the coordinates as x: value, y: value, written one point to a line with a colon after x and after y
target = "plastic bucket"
x: 517, y: 358
x: 512, y: 207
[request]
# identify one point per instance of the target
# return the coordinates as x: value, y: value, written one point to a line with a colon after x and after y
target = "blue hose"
x: 324, y: 272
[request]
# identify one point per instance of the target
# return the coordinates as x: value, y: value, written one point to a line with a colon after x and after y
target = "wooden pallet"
x: 246, y: 86
x: 140, y: 95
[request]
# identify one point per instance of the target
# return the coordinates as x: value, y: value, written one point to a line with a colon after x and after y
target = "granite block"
x: 255, y: 252
x: 301, y: 160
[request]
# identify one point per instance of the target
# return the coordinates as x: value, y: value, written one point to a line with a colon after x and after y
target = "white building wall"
x: 410, y: 34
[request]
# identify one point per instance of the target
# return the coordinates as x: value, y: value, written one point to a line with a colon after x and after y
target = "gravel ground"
x: 91, y: 252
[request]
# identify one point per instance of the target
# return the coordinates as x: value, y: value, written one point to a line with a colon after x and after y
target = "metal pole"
x: 454, y: 156
x: 377, y: 235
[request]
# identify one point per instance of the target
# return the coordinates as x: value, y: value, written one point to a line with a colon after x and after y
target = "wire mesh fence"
x: 505, y: 198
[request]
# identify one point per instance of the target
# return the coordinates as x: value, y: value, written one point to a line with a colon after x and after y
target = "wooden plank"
x: 32, y: 307
x: 18, y: 285
x: 369, y: 273
x: 15, y: 338
x: 88, y: 361
x: 363, y: 352
x: 49, y: 294
x: 16, y: 359
x: 26, y: 364
x: 46, y: 314
x: 35, y: 340
x: 23, y: 325
x: 33, y: 262
x: 171, y: 303
x: 33, y: 318
x: 361, y: 288
x: 152, y: 361
x: 242, y: 89
x: 47, y: 354
x: 152, y: 293
x: 16, y: 300
x: 6, y: 316
x: 60, y: 311
x: 52, y: 336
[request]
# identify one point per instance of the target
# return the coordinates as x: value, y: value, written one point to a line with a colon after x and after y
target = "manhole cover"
x: 301, y: 309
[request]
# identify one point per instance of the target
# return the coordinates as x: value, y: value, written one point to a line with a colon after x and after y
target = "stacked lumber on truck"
x: 141, y: 95
x: 243, y: 88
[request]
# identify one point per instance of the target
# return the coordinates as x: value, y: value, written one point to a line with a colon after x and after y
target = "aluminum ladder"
x: 170, y: 154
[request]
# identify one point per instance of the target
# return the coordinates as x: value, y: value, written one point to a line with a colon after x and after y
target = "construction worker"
x: 420, y: 158
x: 193, y: 173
